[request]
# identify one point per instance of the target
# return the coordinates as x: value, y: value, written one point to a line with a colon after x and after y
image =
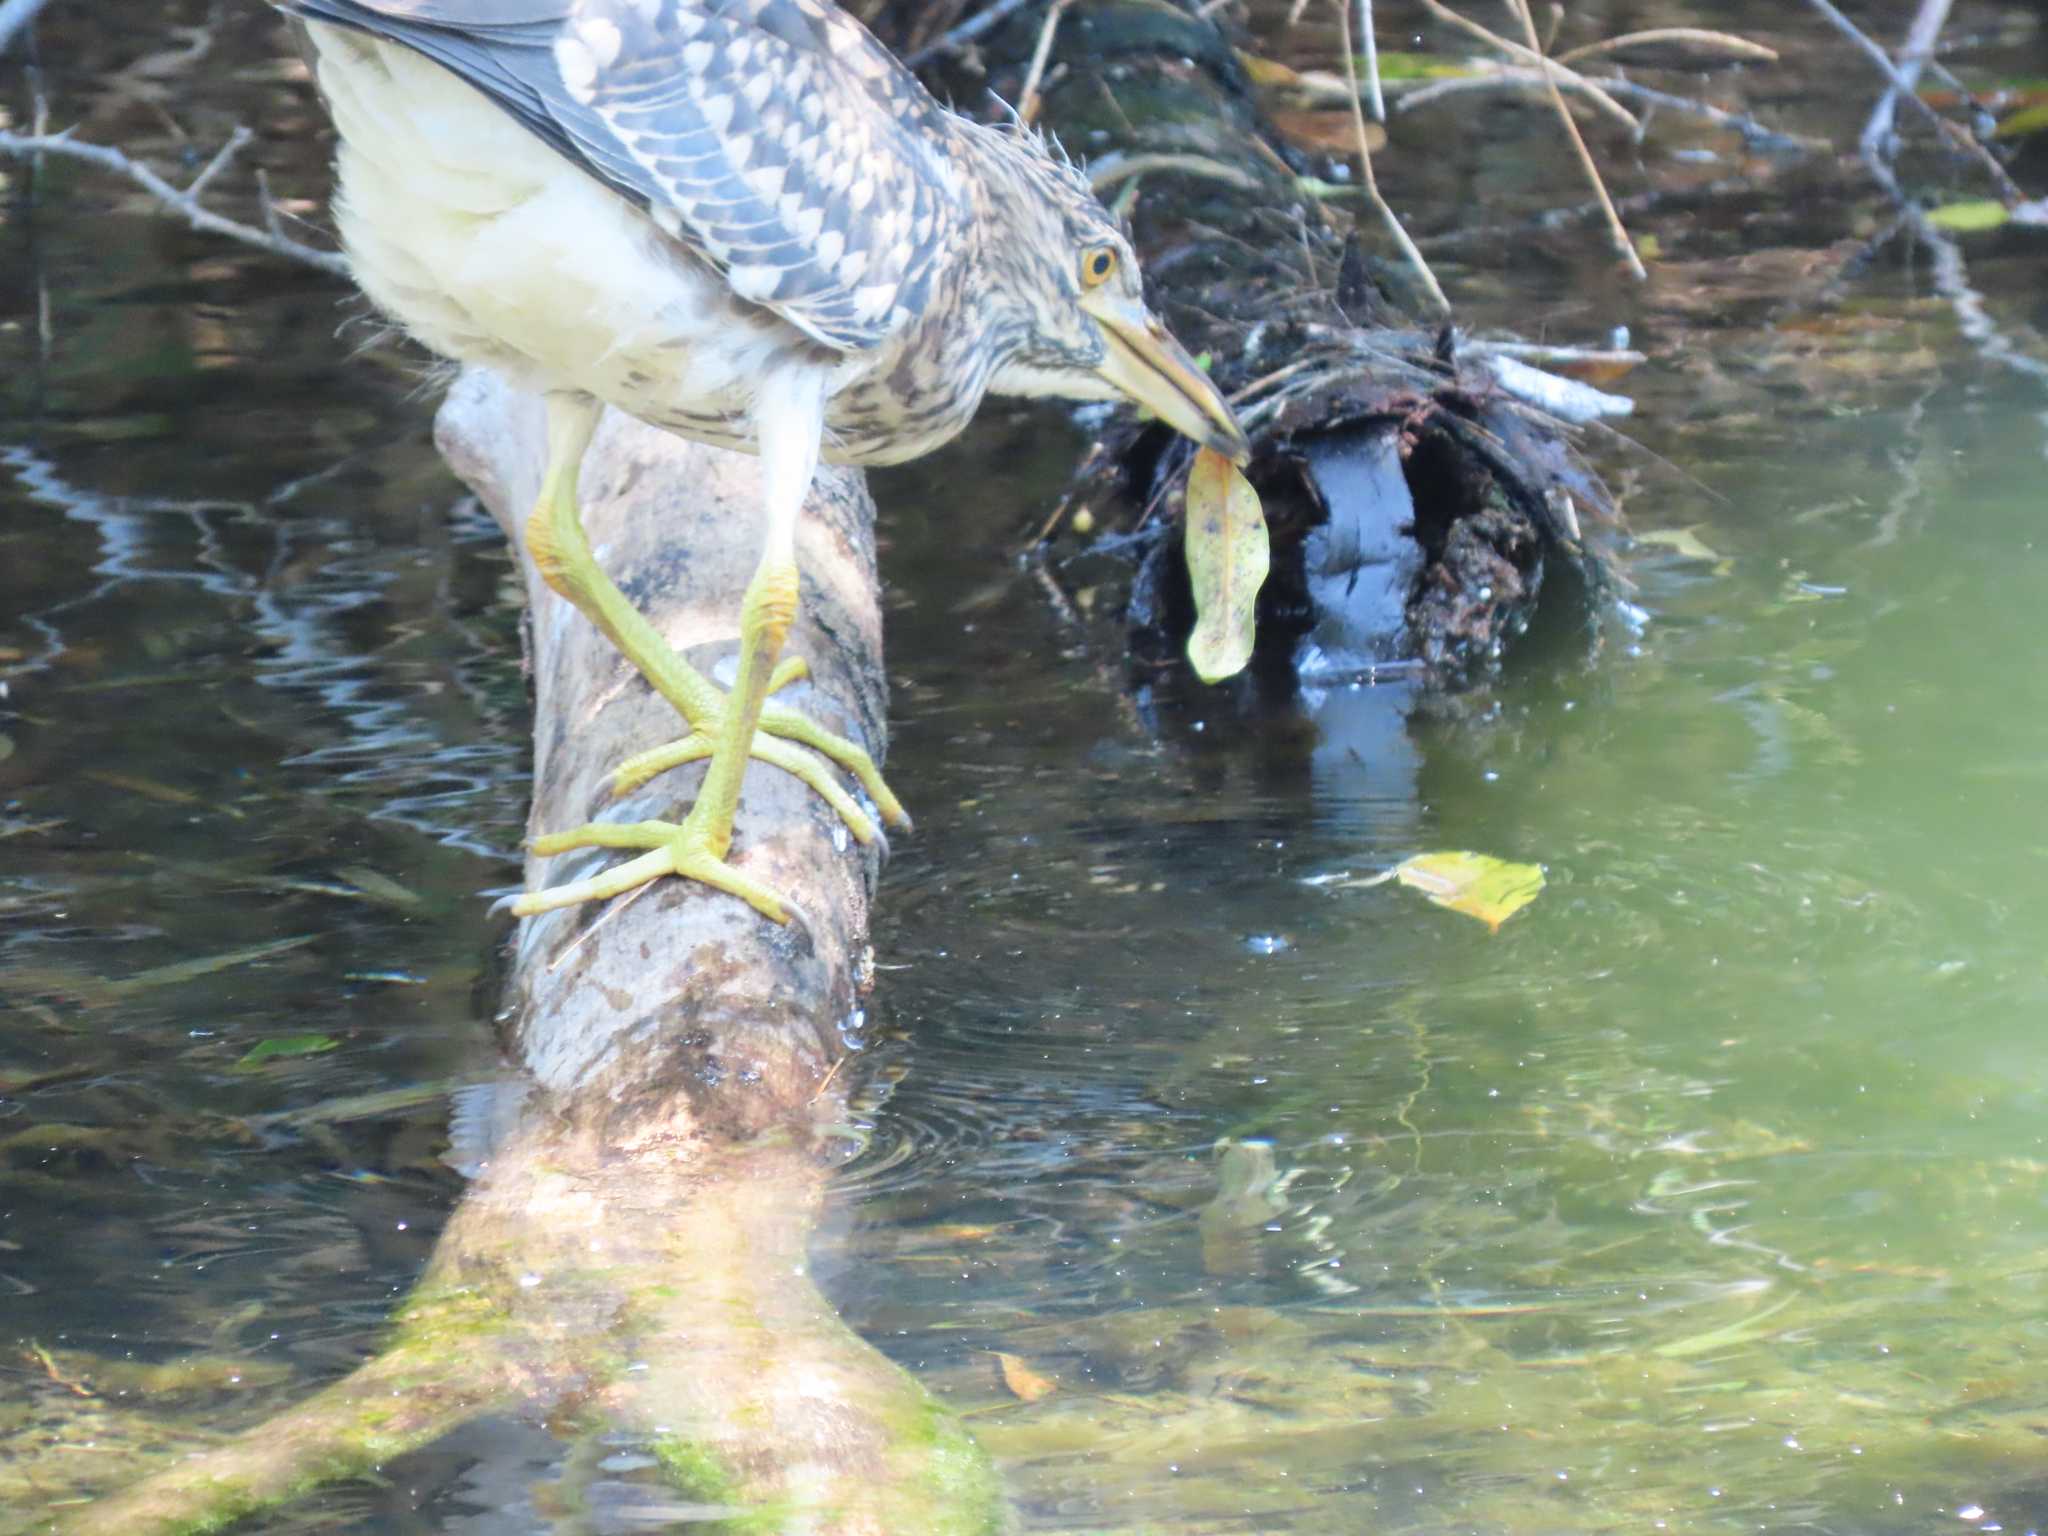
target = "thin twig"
x: 1407, y: 247
x: 959, y: 37
x: 1622, y: 242
x: 15, y: 15
x: 1727, y: 42
x: 1107, y: 170
x: 177, y: 200
x: 612, y: 910
x: 219, y: 162
x: 827, y: 1083
x: 2008, y: 188
x: 1028, y: 101
x: 1374, y: 96
x: 1534, y: 59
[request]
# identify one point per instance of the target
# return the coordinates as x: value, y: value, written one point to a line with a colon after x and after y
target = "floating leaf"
x: 1227, y: 560
x: 1023, y: 1382
x: 1264, y: 71
x: 284, y: 1046
x: 2023, y: 122
x: 1395, y: 65
x: 1680, y: 541
x: 1972, y: 217
x: 1476, y: 884
x: 1687, y: 545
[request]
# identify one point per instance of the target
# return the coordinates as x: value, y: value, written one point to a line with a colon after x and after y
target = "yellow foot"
x: 671, y: 849
x: 790, y: 741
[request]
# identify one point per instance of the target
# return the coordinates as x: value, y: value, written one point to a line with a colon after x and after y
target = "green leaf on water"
x: 1969, y: 218
x: 1395, y: 65
x: 1227, y: 559
x: 2023, y: 122
x: 1476, y: 884
x: 281, y: 1047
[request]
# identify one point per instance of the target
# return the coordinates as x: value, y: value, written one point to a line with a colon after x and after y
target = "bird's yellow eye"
x: 1098, y: 265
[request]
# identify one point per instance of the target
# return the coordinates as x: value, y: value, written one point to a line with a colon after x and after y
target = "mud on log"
x: 632, y: 1256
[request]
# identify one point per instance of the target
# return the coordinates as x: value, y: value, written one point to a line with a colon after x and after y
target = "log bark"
x: 632, y: 1255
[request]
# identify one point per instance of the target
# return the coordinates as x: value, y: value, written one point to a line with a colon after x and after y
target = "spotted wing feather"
x: 776, y: 138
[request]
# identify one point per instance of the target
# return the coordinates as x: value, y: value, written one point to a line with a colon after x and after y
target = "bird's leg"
x: 791, y: 420
x: 561, y: 550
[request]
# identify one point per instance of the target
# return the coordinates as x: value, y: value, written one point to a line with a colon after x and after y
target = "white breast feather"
x: 491, y: 248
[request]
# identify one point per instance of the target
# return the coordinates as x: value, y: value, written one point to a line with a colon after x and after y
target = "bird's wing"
x: 775, y: 137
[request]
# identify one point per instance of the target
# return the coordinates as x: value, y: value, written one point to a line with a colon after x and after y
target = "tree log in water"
x: 632, y: 1256
x: 1418, y: 498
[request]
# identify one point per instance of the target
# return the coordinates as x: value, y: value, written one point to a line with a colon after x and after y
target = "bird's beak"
x: 1147, y: 365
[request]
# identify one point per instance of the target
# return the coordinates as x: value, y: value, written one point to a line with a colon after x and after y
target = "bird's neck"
x: 1003, y: 262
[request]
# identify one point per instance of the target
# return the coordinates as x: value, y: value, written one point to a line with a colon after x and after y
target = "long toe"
x: 669, y: 849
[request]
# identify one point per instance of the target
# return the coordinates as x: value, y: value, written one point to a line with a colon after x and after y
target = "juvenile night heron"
x: 745, y: 222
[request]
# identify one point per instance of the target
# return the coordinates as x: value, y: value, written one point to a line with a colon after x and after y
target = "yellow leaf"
x: 1680, y: 541
x: 1492, y: 890
x: 1227, y: 560
x: 1264, y: 71
x: 1969, y: 218
x: 2023, y: 122
x: 1023, y: 1381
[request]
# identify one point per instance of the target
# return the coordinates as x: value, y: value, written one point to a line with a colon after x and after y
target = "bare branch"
x: 1903, y: 87
x: 181, y: 201
x: 1534, y: 59
x: 1726, y: 42
x: 236, y: 140
x: 15, y: 15
x: 1028, y: 100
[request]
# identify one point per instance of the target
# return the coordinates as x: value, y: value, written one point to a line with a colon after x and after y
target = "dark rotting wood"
x: 1309, y: 336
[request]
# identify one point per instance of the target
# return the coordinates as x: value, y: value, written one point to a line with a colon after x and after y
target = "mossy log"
x: 632, y: 1256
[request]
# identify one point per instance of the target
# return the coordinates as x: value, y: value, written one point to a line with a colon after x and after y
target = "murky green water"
x: 1711, y: 1193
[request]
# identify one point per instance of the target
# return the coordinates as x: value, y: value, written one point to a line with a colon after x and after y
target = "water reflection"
x: 1709, y: 1192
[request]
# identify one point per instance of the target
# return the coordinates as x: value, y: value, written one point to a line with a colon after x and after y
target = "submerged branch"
x: 183, y: 201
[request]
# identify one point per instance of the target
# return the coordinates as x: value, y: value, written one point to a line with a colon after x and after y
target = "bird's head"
x: 1078, y: 325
